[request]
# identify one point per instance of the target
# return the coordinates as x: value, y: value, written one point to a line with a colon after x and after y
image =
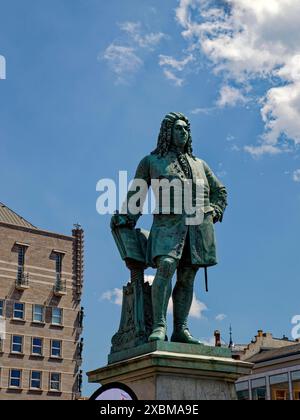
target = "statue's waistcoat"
x: 168, y: 168
x: 169, y: 231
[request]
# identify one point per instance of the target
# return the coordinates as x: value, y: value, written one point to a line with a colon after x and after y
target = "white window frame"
x: 18, y: 310
x: 34, y: 313
x: 17, y: 344
x: 61, y: 316
x: 51, y: 348
x: 11, y: 377
x: 34, y: 388
x: 42, y: 346
x: 50, y: 382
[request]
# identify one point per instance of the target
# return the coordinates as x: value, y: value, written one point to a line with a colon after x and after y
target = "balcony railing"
x: 60, y: 287
x: 22, y: 281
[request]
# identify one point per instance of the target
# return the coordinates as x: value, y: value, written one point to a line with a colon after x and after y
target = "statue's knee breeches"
x: 166, y: 266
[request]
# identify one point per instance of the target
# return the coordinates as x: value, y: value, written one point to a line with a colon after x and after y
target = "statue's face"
x: 180, y: 133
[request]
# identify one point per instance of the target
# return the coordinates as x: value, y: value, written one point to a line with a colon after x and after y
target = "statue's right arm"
x: 142, y: 180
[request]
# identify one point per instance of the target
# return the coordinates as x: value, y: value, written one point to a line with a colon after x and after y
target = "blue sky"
x: 88, y: 82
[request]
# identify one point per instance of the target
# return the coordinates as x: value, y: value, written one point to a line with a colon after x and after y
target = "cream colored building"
x: 276, y: 371
x: 41, y: 278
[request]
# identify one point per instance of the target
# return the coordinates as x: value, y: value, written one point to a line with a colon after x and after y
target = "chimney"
x: 285, y: 338
x: 217, y: 338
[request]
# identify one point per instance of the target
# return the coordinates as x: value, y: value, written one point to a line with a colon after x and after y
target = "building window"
x: 259, y: 389
x: 242, y: 390
x: 56, y: 346
x: 37, y: 346
x: 17, y: 344
x: 15, y: 378
x: 296, y: 385
x: 38, y: 313
x: 19, y: 310
x: 21, y: 261
x: 1, y: 308
x: 58, y: 263
x: 55, y: 382
x: 56, y: 316
x: 60, y: 283
x: 280, y: 387
x: 35, y: 380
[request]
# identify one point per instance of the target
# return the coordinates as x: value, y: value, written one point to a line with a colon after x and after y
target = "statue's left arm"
x: 218, y: 194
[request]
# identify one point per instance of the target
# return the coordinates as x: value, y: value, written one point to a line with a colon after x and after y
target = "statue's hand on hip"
x: 217, y: 214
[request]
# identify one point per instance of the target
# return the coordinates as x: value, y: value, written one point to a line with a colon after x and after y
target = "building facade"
x: 276, y: 369
x: 41, y: 318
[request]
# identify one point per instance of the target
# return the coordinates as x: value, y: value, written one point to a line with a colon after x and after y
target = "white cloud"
x: 235, y: 148
x: 114, y: 296
x: 149, y: 279
x: 247, y: 41
x: 296, y: 175
x: 257, y: 151
x: 221, y: 174
x: 196, y: 310
x: 221, y: 317
x: 123, y: 61
x: 179, y: 65
x: 208, y: 341
x: 124, y: 57
x: 230, y: 96
x: 281, y: 113
x: 205, y: 111
x: 148, y: 40
x: 230, y: 137
x: 171, y: 76
x: 172, y: 67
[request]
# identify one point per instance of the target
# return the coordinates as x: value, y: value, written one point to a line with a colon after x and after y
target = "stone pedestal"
x: 173, y: 371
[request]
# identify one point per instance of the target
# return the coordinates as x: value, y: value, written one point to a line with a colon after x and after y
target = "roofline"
x: 281, y: 355
x: 37, y: 231
x: 275, y: 360
x: 287, y: 340
x: 21, y: 217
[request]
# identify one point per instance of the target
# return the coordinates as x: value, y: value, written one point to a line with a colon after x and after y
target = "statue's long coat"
x: 169, y: 231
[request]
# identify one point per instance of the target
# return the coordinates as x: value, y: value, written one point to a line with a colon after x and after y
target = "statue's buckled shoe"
x: 184, y: 336
x: 157, y: 334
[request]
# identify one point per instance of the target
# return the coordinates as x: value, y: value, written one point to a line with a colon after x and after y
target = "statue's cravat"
x: 185, y: 166
x: 183, y: 162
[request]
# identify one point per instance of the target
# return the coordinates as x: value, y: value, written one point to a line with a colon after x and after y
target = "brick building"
x: 41, y: 278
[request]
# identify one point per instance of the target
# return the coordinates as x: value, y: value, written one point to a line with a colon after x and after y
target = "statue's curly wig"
x: 165, y: 136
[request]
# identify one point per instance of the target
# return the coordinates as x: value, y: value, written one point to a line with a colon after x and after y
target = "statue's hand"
x: 121, y: 220
x: 217, y: 214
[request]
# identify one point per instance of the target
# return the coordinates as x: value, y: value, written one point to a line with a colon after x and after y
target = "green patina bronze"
x: 172, y: 245
x: 167, y: 347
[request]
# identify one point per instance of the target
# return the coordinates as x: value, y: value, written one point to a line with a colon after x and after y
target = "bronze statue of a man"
x: 173, y: 244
